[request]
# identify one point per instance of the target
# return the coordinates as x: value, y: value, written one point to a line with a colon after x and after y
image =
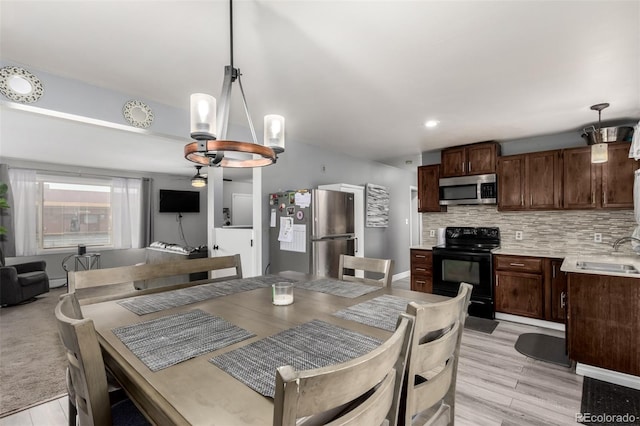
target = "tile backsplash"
x: 569, y: 231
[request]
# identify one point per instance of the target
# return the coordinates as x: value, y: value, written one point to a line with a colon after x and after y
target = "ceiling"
x: 357, y: 77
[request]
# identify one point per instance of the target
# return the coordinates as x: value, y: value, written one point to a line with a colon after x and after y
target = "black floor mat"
x: 482, y: 325
x: 543, y: 347
x: 605, y: 403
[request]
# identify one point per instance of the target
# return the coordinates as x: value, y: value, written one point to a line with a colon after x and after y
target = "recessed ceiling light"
x: 431, y: 123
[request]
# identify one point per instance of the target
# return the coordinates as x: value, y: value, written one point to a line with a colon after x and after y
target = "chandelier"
x: 209, y: 126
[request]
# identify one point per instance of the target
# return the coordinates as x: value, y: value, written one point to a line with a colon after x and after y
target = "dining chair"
x: 380, y: 267
x: 362, y: 391
x: 430, y: 384
x: 86, y: 372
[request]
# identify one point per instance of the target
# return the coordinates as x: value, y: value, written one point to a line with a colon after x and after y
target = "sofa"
x: 22, y: 282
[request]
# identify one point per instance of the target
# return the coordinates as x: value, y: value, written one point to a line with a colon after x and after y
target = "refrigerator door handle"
x: 334, y: 237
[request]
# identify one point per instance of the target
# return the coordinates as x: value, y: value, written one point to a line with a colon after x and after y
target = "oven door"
x: 451, y: 267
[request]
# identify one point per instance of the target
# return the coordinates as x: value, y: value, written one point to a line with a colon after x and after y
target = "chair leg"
x: 73, y: 413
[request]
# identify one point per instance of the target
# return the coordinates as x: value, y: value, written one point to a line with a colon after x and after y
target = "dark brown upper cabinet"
x: 475, y: 159
x: 428, y: 188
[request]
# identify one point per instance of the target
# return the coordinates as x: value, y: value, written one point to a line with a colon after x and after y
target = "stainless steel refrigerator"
x: 309, y: 229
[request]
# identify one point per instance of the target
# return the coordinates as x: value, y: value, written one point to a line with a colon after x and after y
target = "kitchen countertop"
x: 570, y: 264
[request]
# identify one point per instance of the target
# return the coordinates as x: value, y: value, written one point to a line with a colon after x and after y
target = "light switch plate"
x: 432, y: 233
x: 518, y: 235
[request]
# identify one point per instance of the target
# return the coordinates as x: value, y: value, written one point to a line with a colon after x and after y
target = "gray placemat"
x: 381, y: 312
x: 142, y: 305
x: 337, y: 287
x: 169, y: 340
x: 311, y: 345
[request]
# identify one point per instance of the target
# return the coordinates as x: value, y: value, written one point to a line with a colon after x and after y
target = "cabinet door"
x: 454, y: 162
x: 428, y: 188
x: 511, y: 182
x: 618, y: 177
x: 580, y: 179
x: 558, y: 292
x: 543, y: 180
x: 481, y: 158
x: 519, y: 293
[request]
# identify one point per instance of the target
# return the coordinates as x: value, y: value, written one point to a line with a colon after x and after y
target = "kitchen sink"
x: 621, y: 268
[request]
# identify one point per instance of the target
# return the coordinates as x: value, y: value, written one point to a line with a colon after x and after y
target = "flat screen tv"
x: 172, y: 201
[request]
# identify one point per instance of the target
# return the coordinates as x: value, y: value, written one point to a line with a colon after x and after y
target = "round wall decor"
x: 138, y: 114
x: 20, y: 85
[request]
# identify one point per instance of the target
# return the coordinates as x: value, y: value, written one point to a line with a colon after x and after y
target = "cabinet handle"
x: 521, y: 200
x: 563, y: 298
x: 421, y: 256
x: 516, y: 264
x: 420, y: 269
x: 604, y: 197
x: 593, y: 198
x: 496, y: 280
x: 469, y: 167
x: 463, y: 167
x: 554, y: 271
x: 530, y: 200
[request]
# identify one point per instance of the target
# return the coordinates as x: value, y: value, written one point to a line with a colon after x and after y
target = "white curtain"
x: 634, y: 151
x: 126, y: 213
x: 25, y: 197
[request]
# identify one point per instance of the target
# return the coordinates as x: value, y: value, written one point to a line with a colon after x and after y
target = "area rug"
x: 483, y: 325
x: 605, y: 403
x: 32, y: 359
x: 543, y: 347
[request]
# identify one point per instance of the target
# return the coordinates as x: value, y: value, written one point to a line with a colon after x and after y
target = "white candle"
x: 282, y: 299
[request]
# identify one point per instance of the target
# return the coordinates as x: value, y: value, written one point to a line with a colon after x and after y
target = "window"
x: 55, y: 211
x: 74, y: 213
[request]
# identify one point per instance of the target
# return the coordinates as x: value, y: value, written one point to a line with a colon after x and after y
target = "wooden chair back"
x: 85, y: 363
x: 363, y: 391
x: 433, y: 358
x: 366, y: 264
x: 128, y: 274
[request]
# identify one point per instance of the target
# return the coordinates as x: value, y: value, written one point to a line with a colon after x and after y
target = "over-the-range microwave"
x: 478, y: 189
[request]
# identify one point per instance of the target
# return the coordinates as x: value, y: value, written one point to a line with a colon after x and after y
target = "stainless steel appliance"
x: 320, y: 227
x: 478, y: 189
x: 466, y: 257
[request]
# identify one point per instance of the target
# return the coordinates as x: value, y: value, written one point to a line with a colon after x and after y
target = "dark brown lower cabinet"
x: 603, y: 323
x: 421, y: 270
x: 519, y: 293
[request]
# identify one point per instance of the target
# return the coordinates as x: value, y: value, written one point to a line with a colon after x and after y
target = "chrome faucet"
x: 619, y: 241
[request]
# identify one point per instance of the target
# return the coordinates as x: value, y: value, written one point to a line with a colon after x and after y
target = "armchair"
x: 22, y: 282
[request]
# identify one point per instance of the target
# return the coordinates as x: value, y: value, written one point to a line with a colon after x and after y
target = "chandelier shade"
x: 274, y: 132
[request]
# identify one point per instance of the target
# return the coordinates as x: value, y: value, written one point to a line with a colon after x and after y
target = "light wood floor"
x: 496, y: 385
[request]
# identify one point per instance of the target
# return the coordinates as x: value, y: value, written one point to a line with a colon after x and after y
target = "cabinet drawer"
x: 420, y: 270
x: 422, y: 258
x: 422, y: 283
x: 518, y: 263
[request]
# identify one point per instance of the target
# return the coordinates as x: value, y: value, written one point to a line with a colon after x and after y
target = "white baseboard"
x: 530, y: 321
x: 610, y: 376
x: 401, y: 275
x: 57, y: 282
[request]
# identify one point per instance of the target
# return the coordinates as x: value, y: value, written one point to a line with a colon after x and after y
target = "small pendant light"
x: 599, y: 150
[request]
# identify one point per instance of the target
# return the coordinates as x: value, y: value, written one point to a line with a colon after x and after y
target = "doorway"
x: 415, y: 223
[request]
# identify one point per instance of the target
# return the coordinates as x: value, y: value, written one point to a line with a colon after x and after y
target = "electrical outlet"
x: 597, y: 237
x: 518, y: 235
x: 432, y: 233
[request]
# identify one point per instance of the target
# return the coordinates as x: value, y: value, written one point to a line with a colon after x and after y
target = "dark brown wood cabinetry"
x: 603, y: 323
x: 428, y: 189
x: 558, y: 292
x: 519, y: 286
x: 594, y: 186
x: 421, y: 270
x: 530, y: 286
x: 530, y: 181
x: 474, y: 159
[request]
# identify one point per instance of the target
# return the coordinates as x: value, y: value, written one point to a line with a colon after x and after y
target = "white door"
x: 229, y: 241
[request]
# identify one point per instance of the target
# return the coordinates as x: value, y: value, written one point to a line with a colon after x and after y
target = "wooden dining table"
x: 196, y: 391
